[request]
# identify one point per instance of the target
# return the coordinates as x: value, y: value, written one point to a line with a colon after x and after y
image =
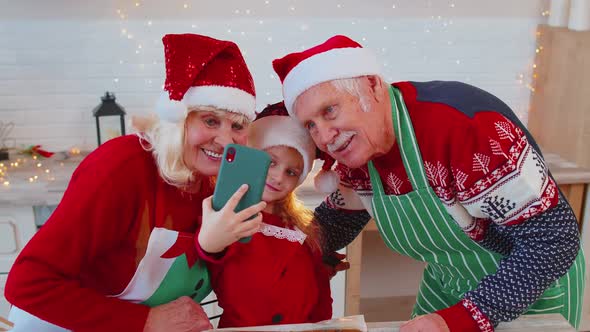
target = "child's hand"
x: 221, y: 228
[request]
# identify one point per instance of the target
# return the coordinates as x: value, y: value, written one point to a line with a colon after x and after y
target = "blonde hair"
x: 294, y: 213
x: 166, y: 141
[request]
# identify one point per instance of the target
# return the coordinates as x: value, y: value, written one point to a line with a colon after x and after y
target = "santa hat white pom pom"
x: 326, y: 181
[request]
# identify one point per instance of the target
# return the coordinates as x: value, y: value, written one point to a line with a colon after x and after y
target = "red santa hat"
x: 338, y: 57
x: 274, y: 127
x: 202, y: 71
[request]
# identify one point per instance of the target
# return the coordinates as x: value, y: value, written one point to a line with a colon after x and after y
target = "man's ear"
x: 376, y: 87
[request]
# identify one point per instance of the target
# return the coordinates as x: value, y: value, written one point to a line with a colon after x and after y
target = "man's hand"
x: 180, y: 315
x: 425, y: 323
x: 335, y: 262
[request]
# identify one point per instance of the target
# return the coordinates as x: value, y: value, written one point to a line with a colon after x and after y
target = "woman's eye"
x: 273, y: 163
x: 310, y: 125
x: 237, y: 126
x: 292, y: 173
x: 211, y: 122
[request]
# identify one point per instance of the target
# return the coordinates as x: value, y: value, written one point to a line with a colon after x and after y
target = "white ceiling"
x: 204, y: 9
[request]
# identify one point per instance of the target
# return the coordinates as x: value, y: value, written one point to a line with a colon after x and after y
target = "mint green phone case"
x: 248, y: 166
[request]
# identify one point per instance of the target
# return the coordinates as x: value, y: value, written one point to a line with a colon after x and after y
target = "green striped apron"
x: 417, y: 225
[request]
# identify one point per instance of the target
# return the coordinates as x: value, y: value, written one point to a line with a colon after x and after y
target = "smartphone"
x: 241, y: 165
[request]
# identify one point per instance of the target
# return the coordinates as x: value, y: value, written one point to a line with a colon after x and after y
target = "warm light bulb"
x: 39, y: 164
x: 6, y: 183
x: 185, y: 5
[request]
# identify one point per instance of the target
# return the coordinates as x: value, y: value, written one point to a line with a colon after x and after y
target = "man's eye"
x: 330, y: 111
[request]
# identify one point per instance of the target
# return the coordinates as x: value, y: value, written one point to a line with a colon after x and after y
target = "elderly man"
x: 451, y: 177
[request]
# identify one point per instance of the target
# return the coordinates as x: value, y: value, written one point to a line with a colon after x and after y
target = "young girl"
x: 277, y: 277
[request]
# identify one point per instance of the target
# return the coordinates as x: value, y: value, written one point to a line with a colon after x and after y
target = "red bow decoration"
x: 185, y: 244
x: 35, y: 150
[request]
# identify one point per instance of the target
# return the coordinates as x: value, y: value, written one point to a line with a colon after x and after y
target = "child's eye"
x: 273, y: 163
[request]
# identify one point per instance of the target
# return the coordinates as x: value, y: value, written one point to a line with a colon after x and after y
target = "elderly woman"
x: 118, y: 254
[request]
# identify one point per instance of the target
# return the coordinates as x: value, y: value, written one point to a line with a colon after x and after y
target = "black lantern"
x: 110, y: 118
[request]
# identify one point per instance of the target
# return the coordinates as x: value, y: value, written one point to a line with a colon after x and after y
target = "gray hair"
x: 352, y: 86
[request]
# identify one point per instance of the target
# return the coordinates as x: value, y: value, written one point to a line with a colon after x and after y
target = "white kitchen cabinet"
x: 4, y: 305
x: 17, y: 226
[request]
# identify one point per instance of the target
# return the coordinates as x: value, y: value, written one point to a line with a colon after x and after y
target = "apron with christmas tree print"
x: 168, y: 270
x: 417, y: 225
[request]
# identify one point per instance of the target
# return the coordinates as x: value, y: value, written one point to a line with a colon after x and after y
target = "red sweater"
x: 92, y: 243
x: 270, y: 280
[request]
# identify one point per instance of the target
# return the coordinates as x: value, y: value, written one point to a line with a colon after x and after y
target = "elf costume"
x: 122, y: 238
x: 464, y: 188
x: 275, y: 278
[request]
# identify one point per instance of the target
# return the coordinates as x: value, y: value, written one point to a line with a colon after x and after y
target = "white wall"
x: 58, y: 58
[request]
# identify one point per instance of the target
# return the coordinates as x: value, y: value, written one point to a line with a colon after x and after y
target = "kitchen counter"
x: 528, y: 323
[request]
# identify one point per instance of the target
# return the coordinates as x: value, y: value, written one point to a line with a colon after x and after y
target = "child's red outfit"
x: 276, y: 278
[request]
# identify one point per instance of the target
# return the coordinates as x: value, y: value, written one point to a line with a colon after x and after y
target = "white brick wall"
x: 54, y: 71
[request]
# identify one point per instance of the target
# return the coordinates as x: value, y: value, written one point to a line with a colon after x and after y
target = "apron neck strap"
x: 406, y: 140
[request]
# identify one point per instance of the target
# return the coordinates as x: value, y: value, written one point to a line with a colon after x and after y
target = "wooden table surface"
x: 527, y: 323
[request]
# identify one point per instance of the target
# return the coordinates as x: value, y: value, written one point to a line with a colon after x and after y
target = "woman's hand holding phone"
x: 221, y: 228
